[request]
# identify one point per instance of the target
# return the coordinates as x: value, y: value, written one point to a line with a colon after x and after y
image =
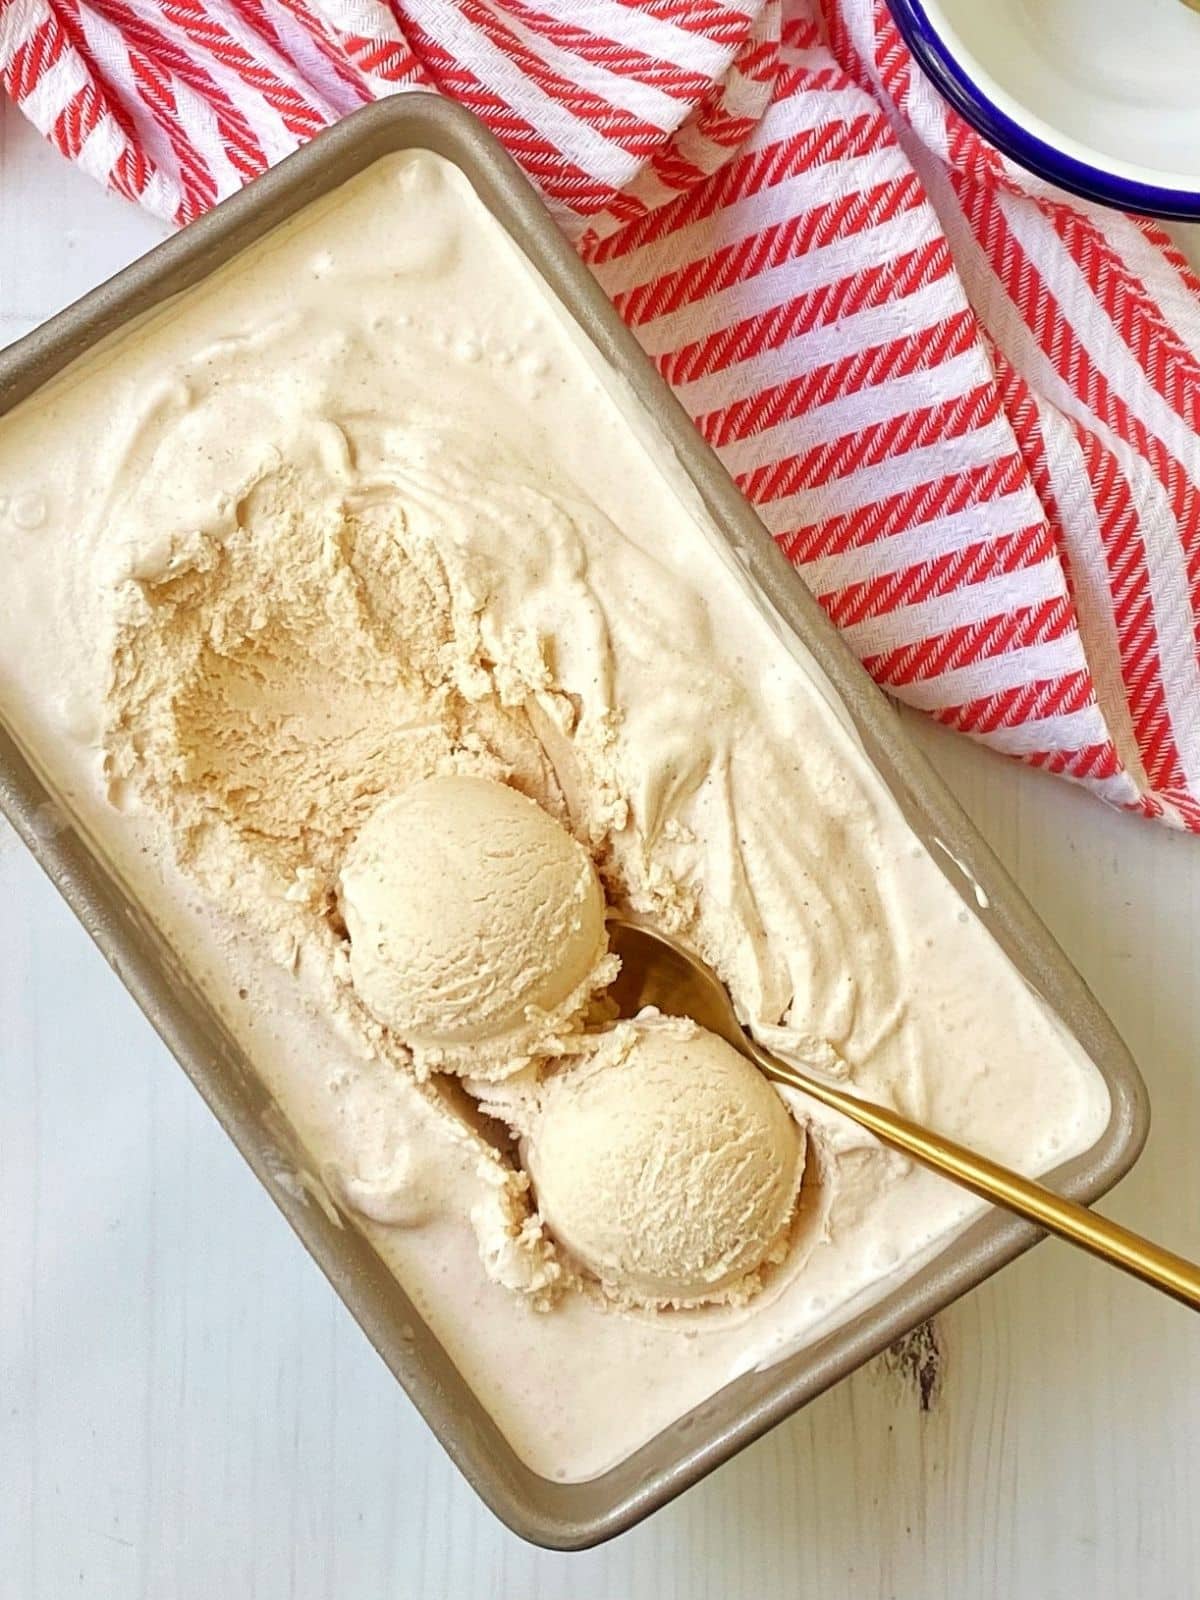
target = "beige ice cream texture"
x: 666, y: 1164
x: 299, y: 698
x: 476, y: 925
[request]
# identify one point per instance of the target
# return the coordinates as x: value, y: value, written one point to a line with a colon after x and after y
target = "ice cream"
x: 666, y: 1165
x: 365, y: 509
x: 476, y: 924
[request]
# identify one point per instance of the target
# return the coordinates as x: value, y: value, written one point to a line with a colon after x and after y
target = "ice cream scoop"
x: 658, y: 972
x: 476, y: 924
x: 665, y: 1165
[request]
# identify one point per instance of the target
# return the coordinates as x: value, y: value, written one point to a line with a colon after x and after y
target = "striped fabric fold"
x: 966, y: 405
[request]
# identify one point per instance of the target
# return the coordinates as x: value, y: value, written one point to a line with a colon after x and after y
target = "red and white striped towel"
x: 966, y: 405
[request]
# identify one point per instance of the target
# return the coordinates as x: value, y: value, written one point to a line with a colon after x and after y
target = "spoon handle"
x: 1141, y: 1257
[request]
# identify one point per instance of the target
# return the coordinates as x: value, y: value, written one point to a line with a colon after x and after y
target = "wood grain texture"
x: 186, y: 1411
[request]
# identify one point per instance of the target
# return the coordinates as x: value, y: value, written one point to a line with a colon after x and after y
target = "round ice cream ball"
x: 475, y: 919
x: 666, y: 1165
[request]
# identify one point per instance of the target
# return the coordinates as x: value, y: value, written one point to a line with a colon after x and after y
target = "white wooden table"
x: 188, y: 1413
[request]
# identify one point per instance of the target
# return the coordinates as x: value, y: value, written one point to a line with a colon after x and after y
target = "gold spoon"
x: 655, y: 971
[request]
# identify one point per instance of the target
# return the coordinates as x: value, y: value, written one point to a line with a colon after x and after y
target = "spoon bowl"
x: 657, y: 971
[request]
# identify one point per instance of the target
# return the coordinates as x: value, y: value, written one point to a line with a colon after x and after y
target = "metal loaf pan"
x: 563, y: 1516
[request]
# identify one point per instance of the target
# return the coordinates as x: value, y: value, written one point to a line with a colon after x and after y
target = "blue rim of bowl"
x: 1045, y: 160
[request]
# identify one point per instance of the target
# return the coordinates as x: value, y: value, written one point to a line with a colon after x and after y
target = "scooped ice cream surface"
x: 476, y: 924
x: 666, y: 1165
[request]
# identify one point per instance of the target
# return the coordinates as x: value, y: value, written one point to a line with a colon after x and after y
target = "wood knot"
x: 919, y: 1358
